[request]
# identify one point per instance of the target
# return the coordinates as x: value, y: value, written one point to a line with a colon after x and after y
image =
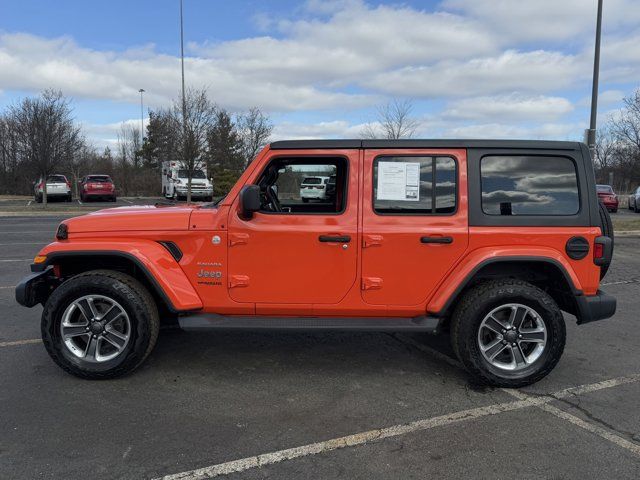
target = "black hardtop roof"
x: 416, y: 143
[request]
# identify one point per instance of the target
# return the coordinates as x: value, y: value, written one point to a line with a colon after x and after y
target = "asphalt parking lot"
x: 323, y: 405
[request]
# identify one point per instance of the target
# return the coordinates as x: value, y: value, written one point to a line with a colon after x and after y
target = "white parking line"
x: 20, y: 342
x: 29, y: 202
x: 8, y: 286
x: 623, y: 282
x: 125, y: 200
x: 25, y: 243
x: 18, y: 259
x: 388, y: 432
x: 590, y: 427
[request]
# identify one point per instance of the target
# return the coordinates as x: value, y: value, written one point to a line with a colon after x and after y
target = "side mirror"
x: 249, y: 201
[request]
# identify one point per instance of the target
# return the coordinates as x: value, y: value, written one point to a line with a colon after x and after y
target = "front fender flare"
x: 154, y: 261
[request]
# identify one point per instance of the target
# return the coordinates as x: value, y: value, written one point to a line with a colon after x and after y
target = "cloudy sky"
x: 499, y: 68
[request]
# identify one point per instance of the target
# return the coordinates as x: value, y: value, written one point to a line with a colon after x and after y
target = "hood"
x: 134, y: 218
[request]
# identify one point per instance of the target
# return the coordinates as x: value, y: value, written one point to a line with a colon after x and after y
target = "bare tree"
x: 255, y: 129
x: 626, y: 127
x: 46, y: 133
x: 394, y: 120
x: 606, y: 148
x: 199, y: 116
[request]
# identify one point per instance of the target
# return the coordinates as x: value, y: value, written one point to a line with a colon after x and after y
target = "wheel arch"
x: 175, y: 298
x: 544, y: 272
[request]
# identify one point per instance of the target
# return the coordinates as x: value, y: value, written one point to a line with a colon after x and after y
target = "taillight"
x: 598, y: 251
x: 68, y: 184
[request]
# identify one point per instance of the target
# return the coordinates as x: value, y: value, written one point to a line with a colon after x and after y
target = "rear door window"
x: 407, y: 185
x: 529, y: 185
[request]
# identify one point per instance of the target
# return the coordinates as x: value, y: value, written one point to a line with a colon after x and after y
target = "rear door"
x: 414, y: 222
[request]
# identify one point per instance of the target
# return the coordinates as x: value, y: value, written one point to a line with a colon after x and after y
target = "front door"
x: 302, y: 247
x: 415, y: 223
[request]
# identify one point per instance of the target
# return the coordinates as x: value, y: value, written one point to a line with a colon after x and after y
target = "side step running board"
x: 368, y: 324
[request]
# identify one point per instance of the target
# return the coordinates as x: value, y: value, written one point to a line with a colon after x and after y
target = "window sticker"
x: 398, y: 181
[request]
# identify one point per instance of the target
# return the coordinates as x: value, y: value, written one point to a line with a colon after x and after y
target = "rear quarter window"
x: 529, y: 185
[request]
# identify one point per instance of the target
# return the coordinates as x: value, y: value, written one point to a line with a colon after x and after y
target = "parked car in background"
x: 96, y: 187
x: 634, y: 200
x: 175, y: 181
x: 607, y: 196
x: 314, y: 188
x: 58, y: 187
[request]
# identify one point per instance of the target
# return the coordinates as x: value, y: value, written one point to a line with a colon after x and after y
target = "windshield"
x: 196, y: 174
x: 604, y: 189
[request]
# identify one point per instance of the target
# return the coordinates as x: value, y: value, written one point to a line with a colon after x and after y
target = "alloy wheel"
x: 512, y: 337
x: 95, y: 328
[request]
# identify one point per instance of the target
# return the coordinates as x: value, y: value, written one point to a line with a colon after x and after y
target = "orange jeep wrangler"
x: 488, y: 240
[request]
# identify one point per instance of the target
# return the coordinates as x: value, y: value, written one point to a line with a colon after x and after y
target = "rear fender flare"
x: 453, y: 285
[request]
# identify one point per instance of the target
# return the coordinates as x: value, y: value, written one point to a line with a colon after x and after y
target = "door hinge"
x: 236, y: 281
x: 371, y: 283
x: 371, y: 240
x: 238, y: 239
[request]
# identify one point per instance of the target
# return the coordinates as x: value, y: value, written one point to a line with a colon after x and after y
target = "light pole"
x: 141, y: 117
x: 184, y: 105
x: 591, y: 133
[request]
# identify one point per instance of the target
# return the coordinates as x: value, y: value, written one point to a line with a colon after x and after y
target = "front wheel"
x: 100, y: 324
x: 508, y: 333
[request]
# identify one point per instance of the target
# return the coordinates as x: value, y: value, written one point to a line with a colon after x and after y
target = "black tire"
x: 113, y: 199
x: 305, y: 200
x: 635, y: 207
x: 607, y: 231
x: 484, y: 298
x: 69, y: 198
x: 130, y: 295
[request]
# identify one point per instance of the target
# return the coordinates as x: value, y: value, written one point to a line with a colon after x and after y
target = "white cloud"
x: 537, y: 71
x: 546, y: 21
x: 509, y: 107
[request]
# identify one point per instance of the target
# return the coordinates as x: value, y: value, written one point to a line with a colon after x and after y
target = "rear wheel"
x: 100, y: 324
x: 69, y: 197
x: 508, y: 333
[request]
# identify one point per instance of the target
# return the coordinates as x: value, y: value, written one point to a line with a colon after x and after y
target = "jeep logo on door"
x: 209, y: 274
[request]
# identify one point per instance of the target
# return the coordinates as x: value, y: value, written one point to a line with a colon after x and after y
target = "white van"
x: 58, y: 187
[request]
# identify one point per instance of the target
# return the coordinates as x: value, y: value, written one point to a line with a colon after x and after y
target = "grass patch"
x: 620, y: 225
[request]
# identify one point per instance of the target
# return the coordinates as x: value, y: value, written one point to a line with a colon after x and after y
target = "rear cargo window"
x: 414, y: 185
x: 529, y: 185
x: 56, y: 179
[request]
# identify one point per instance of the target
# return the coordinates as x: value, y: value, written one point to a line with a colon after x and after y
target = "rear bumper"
x: 597, y: 307
x: 35, y: 288
x: 98, y: 193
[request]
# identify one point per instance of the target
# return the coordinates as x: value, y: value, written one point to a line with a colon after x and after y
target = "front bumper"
x: 195, y: 193
x: 596, y: 307
x: 35, y: 288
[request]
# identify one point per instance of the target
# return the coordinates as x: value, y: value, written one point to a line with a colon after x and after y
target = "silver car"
x: 634, y: 201
x: 57, y: 187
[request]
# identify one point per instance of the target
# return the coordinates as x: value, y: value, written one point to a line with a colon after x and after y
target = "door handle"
x: 335, y: 238
x: 441, y: 240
